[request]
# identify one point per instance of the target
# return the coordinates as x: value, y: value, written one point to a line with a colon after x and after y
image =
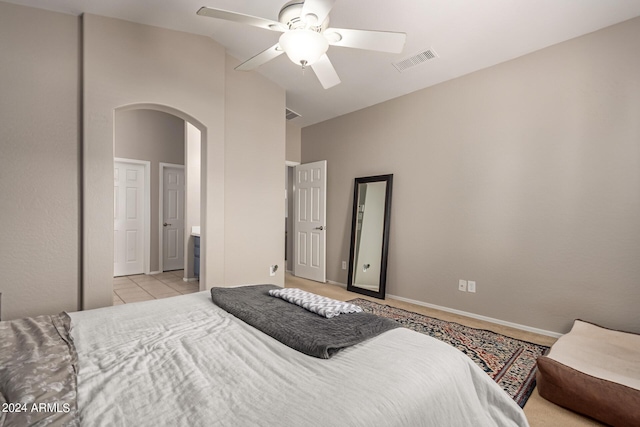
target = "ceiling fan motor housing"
x: 306, y: 36
x: 290, y: 16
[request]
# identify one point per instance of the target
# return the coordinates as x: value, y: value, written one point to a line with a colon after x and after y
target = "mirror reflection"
x: 370, y: 232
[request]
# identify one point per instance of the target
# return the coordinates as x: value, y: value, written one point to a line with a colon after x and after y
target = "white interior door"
x: 173, y: 218
x: 128, y: 218
x: 310, y: 221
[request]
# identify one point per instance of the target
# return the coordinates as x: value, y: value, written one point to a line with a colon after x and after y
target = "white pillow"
x: 318, y: 304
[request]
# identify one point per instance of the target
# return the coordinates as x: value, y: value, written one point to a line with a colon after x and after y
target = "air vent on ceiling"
x: 290, y: 114
x: 415, y: 60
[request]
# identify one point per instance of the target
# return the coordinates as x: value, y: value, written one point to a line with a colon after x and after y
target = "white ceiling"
x: 467, y: 35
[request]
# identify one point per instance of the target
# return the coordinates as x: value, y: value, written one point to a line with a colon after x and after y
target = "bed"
x: 185, y: 361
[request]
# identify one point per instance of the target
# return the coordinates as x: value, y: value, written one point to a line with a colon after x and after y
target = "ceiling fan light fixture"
x: 303, y: 47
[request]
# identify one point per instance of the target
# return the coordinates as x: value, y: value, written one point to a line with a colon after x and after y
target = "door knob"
x: 165, y: 224
x: 322, y: 227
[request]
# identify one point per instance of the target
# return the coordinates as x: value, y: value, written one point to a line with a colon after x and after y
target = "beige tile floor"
x: 142, y: 287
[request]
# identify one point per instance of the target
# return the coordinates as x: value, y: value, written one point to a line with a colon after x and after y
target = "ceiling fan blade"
x: 261, y: 58
x: 382, y: 41
x: 325, y: 72
x: 314, y: 12
x: 241, y: 18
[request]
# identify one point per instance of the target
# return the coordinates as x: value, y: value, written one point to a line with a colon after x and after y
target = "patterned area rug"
x: 510, y: 362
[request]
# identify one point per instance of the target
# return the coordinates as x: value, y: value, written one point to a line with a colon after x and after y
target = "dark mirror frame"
x: 385, y: 235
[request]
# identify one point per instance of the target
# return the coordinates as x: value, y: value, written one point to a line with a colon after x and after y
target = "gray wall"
x: 130, y: 66
x: 39, y: 159
x: 156, y: 137
x: 240, y: 115
x: 294, y: 144
x: 51, y: 142
x: 193, y: 205
x: 524, y: 177
x: 254, y: 158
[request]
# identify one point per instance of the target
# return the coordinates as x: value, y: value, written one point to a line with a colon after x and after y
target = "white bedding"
x: 183, y: 361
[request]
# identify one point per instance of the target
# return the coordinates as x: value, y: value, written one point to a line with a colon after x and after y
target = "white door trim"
x: 161, y: 213
x: 147, y: 208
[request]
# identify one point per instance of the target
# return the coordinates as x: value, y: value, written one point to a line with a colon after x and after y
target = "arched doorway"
x: 169, y: 142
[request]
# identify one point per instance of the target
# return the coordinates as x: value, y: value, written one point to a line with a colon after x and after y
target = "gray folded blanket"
x: 296, y: 327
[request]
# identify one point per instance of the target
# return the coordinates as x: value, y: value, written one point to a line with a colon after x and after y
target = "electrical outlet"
x: 462, y: 285
x: 273, y: 269
x: 471, y: 286
x: 344, y: 265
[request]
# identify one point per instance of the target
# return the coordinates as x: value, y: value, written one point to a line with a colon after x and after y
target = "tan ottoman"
x: 594, y: 371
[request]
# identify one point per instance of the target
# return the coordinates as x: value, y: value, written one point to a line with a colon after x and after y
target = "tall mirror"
x: 370, y: 235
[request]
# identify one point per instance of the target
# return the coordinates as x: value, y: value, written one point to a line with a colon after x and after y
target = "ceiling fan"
x: 307, y: 36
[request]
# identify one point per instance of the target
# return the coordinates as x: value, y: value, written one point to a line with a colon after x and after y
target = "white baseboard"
x: 479, y: 317
x: 155, y: 272
x: 190, y: 279
x: 467, y: 314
